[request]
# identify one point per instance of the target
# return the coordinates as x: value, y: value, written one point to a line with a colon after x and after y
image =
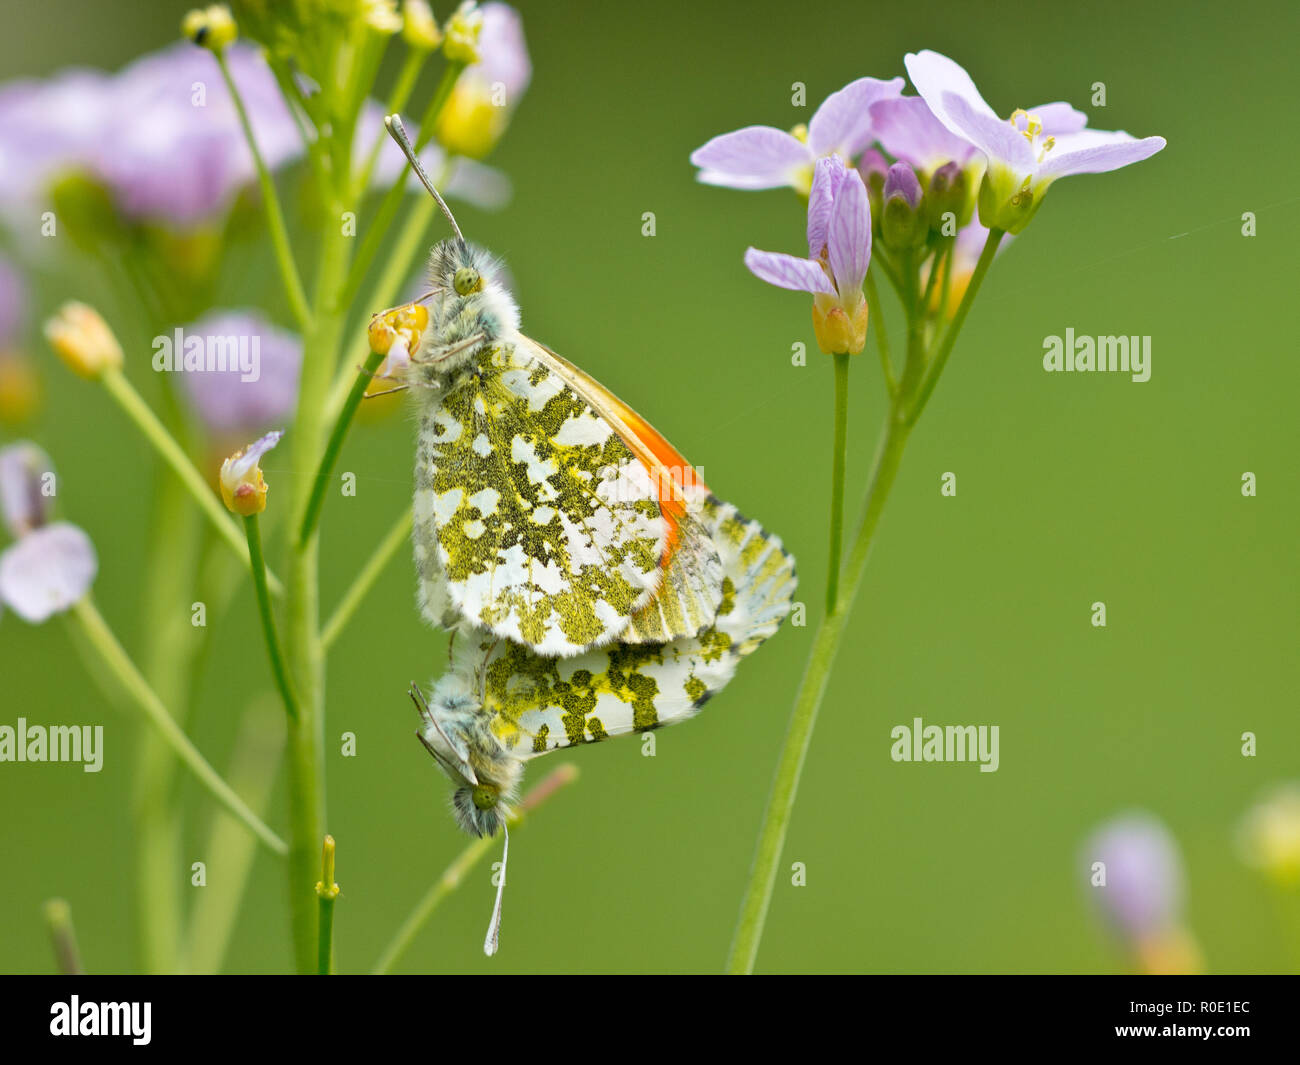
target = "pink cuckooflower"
x: 1027, y: 151
x: 162, y: 134
x: 839, y: 252
x: 50, y: 566
x: 763, y: 157
x: 227, y: 403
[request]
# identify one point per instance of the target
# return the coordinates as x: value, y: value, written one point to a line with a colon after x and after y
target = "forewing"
x: 688, y: 595
x: 548, y: 527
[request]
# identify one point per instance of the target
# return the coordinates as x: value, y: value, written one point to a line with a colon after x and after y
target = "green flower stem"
x: 940, y: 357
x: 274, y: 215
x: 812, y: 689
x: 327, y: 892
x: 253, y: 529
x: 392, y: 200
x: 365, y: 580
x: 335, y: 444
x: 101, y: 638
x: 166, y: 660
x: 402, y: 89
x: 135, y: 408
x: 58, y: 918
x: 838, y: 456
x: 259, y: 746
x: 882, y: 340
x: 303, y: 652
x: 460, y: 868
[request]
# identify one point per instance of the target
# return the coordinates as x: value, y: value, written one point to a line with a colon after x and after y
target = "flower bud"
x: 1270, y: 836
x: 903, y: 224
x: 419, y: 27
x: 381, y: 15
x: 83, y: 340
x: 873, y: 167
x: 836, y: 330
x: 485, y: 95
x: 242, y: 488
x: 407, y: 322
x: 949, y: 194
x: 460, y: 44
x: 211, y: 27
x: 26, y: 488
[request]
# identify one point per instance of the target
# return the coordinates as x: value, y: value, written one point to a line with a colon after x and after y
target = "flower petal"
x: 843, y: 122
x: 827, y: 179
x: 998, y: 140
x: 756, y: 157
x: 1059, y: 119
x: 936, y: 75
x: 47, y: 571
x: 909, y: 131
x: 850, y: 238
x: 788, y: 271
x: 24, y: 506
x: 1096, y: 152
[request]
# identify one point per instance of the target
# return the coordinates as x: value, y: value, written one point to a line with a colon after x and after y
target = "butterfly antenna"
x: 393, y: 123
x: 493, y: 937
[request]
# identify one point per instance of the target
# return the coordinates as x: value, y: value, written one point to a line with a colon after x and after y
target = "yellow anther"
x: 800, y: 133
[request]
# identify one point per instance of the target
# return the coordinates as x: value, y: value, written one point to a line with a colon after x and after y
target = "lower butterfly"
x: 501, y: 703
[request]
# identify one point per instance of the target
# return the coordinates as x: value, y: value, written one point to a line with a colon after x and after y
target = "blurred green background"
x: 975, y: 609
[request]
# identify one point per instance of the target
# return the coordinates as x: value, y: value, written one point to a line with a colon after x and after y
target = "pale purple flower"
x: 763, y: 157
x: 907, y: 129
x: 839, y: 252
x: 223, y: 400
x: 1025, y: 152
x: 24, y: 501
x: 1143, y: 895
x: 162, y: 134
x: 50, y: 567
x: 503, y: 52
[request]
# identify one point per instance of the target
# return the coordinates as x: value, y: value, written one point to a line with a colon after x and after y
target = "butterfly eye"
x: 467, y: 280
x: 485, y: 796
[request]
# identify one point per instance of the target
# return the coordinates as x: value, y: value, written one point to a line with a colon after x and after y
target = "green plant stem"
x: 259, y: 746
x: 826, y: 642
x: 274, y: 215
x: 882, y: 340
x: 838, y: 462
x: 101, y: 638
x: 940, y: 358
x: 365, y: 580
x: 460, y: 867
x: 327, y: 892
x: 303, y: 651
x: 135, y: 408
x: 253, y: 529
x: 58, y: 919
x: 335, y: 444
x: 171, y: 643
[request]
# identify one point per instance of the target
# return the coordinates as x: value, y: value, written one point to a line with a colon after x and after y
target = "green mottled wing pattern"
x: 538, y: 703
x: 548, y: 529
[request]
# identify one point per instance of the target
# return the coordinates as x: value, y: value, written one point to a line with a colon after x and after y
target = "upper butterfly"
x: 546, y: 511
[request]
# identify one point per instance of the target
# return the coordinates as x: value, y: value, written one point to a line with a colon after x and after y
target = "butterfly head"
x: 453, y: 728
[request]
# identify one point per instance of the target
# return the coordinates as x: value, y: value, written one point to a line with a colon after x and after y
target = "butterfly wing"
x: 538, y: 703
x: 687, y: 597
x: 548, y: 528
